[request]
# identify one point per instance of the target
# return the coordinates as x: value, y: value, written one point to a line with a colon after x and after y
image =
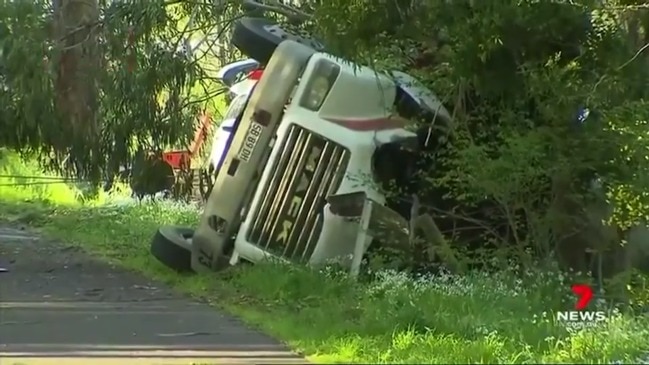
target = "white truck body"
x: 286, y: 159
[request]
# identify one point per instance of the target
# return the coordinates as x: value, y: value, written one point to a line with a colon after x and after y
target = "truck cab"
x: 310, y: 129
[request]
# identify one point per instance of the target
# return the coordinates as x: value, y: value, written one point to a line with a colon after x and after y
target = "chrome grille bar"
x: 288, y: 220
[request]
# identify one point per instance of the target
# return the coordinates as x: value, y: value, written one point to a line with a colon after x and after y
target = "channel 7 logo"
x: 581, y: 317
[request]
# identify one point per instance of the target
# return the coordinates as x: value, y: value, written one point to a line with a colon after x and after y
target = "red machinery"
x: 189, y: 175
x: 182, y: 159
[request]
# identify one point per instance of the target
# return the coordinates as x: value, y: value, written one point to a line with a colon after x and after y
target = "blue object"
x: 582, y: 115
x: 229, y: 73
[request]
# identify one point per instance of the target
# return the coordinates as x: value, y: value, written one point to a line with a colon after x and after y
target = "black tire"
x: 257, y: 38
x: 171, y: 247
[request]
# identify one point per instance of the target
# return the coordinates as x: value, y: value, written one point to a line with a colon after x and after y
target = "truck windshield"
x: 236, y: 107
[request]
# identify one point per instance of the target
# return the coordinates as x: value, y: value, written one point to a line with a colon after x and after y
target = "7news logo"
x: 581, y: 317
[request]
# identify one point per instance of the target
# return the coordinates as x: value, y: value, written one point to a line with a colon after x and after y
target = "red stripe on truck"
x: 375, y: 124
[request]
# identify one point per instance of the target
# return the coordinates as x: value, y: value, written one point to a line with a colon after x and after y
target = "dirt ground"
x: 58, y: 305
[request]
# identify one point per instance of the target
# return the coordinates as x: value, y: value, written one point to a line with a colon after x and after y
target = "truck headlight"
x: 322, y: 79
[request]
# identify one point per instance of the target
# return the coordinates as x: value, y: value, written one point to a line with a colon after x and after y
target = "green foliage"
x: 23, y: 180
x: 515, y: 73
x: 144, y: 85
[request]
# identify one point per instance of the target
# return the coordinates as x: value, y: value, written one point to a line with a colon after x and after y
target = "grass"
x: 21, y: 180
x: 477, y: 318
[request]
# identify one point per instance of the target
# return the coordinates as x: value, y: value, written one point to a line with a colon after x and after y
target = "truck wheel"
x: 257, y: 38
x: 171, y: 245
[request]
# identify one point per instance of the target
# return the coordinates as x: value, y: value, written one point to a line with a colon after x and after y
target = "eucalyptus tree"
x: 88, y: 83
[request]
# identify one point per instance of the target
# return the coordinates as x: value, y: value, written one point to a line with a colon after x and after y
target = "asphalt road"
x: 57, y: 305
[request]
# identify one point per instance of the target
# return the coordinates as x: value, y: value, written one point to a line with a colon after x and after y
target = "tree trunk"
x: 76, y: 30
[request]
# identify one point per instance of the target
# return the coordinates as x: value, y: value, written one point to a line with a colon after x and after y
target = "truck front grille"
x: 288, y: 220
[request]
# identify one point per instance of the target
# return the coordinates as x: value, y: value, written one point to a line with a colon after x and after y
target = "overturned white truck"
x: 300, y: 166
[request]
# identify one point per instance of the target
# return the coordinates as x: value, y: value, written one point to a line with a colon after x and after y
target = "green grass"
x: 20, y: 180
x: 478, y: 318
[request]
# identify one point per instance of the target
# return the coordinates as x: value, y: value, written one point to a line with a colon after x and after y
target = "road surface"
x: 59, y: 306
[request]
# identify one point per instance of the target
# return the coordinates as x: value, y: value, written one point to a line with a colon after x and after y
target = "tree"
x: 77, y: 67
x: 519, y: 165
x: 112, y: 80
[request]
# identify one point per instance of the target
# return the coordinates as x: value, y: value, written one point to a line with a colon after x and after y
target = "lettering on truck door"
x: 306, y: 175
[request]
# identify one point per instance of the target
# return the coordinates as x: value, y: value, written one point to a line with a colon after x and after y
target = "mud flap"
x: 246, y: 157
